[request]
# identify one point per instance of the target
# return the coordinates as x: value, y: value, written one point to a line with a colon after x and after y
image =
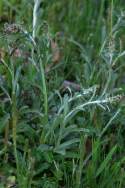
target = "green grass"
x: 62, y: 121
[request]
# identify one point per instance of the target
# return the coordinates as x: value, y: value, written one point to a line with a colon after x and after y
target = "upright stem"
x: 14, y: 127
x: 35, y: 20
x: 35, y: 16
x: 44, y: 88
x: 14, y: 120
x: 111, y: 17
x: 111, y: 49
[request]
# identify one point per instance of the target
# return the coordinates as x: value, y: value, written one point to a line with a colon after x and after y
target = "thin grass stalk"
x: 100, y: 14
x: 6, y: 141
x: 14, y: 121
x: 111, y: 50
x: 111, y: 16
x: 42, y: 72
x: 81, y: 160
x: 14, y: 130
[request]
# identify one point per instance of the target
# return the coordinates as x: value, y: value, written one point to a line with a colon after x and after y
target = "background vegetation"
x: 62, y: 85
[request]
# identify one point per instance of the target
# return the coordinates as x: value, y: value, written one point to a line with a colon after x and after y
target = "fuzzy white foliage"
x: 35, y: 16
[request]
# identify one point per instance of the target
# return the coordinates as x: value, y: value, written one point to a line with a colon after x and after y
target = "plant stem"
x: 44, y: 88
x: 35, y: 17
x: 35, y: 20
x: 111, y: 17
x: 14, y: 135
